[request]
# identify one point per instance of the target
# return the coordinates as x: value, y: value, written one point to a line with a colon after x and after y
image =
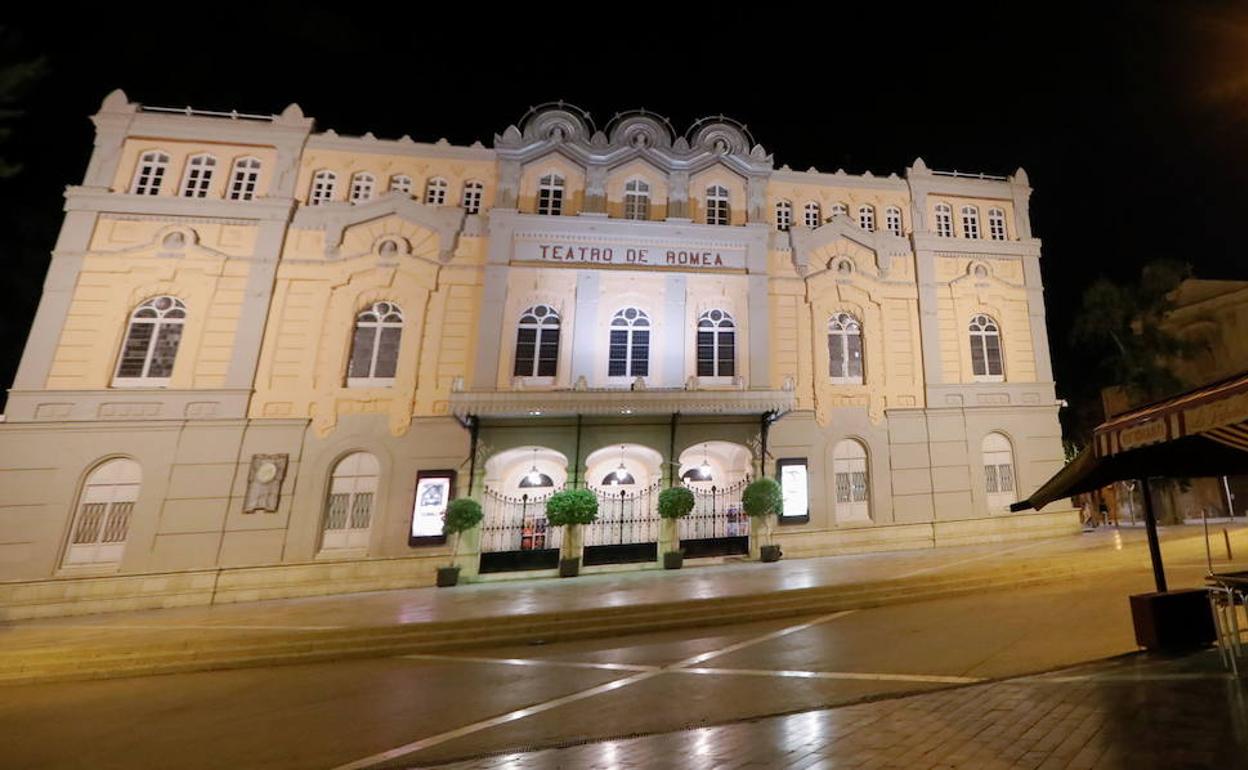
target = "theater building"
x: 266, y: 356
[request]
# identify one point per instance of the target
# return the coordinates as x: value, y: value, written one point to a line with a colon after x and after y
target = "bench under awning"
x: 1203, y: 432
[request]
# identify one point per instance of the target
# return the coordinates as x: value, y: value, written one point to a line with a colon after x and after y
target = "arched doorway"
x: 998, y: 472
x: 850, y: 475
x: 102, y: 518
x: 514, y: 532
x: 349, y: 506
x: 717, y: 473
x: 627, y: 479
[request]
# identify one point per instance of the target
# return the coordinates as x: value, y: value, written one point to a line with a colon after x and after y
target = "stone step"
x: 86, y: 662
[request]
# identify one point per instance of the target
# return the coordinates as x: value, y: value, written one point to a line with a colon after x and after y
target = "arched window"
x: 892, y: 220
x: 401, y: 183
x: 537, y: 343
x: 629, y: 351
x: 349, y: 505
x: 845, y: 349
x: 784, y: 215
x: 375, y: 345
x: 996, y: 224
x: 717, y: 344
x: 244, y: 179
x: 985, y: 348
x: 839, y: 210
x: 474, y: 191
x: 970, y: 222
x: 324, y: 185
x: 550, y: 195
x: 636, y: 199
x: 150, y: 173
x: 199, y: 170
x: 102, y: 519
x: 362, y: 185
x: 866, y: 218
x: 718, y: 210
x: 849, y: 469
x: 812, y: 215
x: 944, y: 220
x: 998, y: 472
x: 151, y: 343
x: 435, y: 191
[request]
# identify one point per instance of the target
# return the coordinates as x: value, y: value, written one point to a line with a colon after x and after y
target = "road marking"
x: 533, y: 662
x: 527, y: 711
x: 981, y: 557
x: 114, y: 627
x: 852, y: 675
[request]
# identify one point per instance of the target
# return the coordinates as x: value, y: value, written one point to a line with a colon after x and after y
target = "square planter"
x: 769, y: 553
x: 569, y: 567
x: 448, y: 576
x: 1173, y: 621
x: 673, y: 560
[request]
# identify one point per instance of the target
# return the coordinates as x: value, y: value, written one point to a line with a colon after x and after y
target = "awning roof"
x: 615, y: 401
x: 1203, y: 432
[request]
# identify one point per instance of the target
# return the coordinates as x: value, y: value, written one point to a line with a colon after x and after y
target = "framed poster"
x: 794, y: 481
x: 434, y: 490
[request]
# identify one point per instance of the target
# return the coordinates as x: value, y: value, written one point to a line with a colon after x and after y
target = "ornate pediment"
x: 336, y: 218
x: 808, y: 242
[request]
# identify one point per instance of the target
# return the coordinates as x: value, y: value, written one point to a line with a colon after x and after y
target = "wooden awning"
x: 1203, y: 432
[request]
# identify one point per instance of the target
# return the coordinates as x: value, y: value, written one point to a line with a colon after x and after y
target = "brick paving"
x: 1137, y: 712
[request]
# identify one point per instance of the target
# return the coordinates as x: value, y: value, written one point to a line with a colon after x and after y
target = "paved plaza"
x: 932, y: 683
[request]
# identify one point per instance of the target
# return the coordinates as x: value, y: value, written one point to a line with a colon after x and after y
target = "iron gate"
x: 627, y: 527
x: 717, y: 525
x: 515, y: 534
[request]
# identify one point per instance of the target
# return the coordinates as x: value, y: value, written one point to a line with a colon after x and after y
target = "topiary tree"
x: 571, y: 508
x: 675, y: 502
x: 761, y: 500
x: 462, y: 514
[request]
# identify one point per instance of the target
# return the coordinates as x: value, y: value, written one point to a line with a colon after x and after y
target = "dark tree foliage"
x: 1122, y: 325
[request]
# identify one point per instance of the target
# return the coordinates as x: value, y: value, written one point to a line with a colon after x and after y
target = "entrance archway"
x: 717, y: 473
x: 627, y: 479
x: 514, y: 532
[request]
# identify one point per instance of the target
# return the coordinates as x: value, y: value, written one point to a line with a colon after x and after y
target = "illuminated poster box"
x: 794, y: 481
x: 434, y: 490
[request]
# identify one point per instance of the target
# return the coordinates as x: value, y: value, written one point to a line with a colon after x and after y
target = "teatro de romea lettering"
x: 266, y: 356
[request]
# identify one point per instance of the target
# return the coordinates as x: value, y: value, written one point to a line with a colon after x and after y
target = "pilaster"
x: 585, y: 330
x: 672, y: 343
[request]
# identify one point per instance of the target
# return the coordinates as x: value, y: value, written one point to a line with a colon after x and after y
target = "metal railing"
x: 717, y: 512
x: 625, y: 516
x: 191, y: 111
x: 517, y: 523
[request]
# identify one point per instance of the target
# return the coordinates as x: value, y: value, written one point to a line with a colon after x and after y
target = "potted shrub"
x: 673, y: 504
x: 571, y: 508
x: 461, y: 515
x: 762, y: 501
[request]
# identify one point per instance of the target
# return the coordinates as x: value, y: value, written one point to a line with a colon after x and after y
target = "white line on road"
x: 852, y: 675
x: 533, y: 662
x: 527, y: 711
x: 981, y: 557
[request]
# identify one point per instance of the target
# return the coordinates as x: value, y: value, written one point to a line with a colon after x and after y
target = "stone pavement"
x: 391, y: 622
x: 1137, y: 711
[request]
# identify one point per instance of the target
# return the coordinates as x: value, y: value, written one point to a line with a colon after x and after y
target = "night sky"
x: 1131, y: 119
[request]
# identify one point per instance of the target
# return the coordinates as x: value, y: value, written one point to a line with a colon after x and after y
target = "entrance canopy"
x: 1203, y: 432
x: 616, y: 401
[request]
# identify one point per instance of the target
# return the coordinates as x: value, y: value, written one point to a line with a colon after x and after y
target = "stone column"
x: 671, y: 345
x: 585, y: 332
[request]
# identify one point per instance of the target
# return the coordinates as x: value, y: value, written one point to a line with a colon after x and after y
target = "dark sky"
x: 1130, y: 118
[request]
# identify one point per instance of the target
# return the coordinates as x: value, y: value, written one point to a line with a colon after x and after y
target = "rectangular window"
x: 1005, y: 478
x: 134, y: 353
x: 977, y: 355
x: 854, y: 355
x: 388, y: 352
x: 165, y: 351
x: 617, y: 361
x: 706, y: 354
x: 990, y: 479
x: 361, y: 353
x: 641, y: 354
x: 526, y: 345
x: 548, y: 353
x: 727, y: 354
x: 836, y: 356
x: 993, y: 344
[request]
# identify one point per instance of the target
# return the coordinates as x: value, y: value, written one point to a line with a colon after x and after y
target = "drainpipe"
x: 474, y: 430
x: 576, y: 461
x: 672, y: 467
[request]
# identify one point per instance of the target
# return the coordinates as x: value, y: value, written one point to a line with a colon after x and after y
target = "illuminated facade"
x: 265, y: 347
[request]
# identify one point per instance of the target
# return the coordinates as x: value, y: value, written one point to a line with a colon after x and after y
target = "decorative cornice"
x: 623, y: 403
x: 402, y: 146
x: 98, y: 199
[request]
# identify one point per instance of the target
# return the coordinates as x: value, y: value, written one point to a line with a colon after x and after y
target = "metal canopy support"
x: 767, y: 419
x: 672, y: 467
x: 576, y: 461
x: 1154, y: 546
x: 474, y: 430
